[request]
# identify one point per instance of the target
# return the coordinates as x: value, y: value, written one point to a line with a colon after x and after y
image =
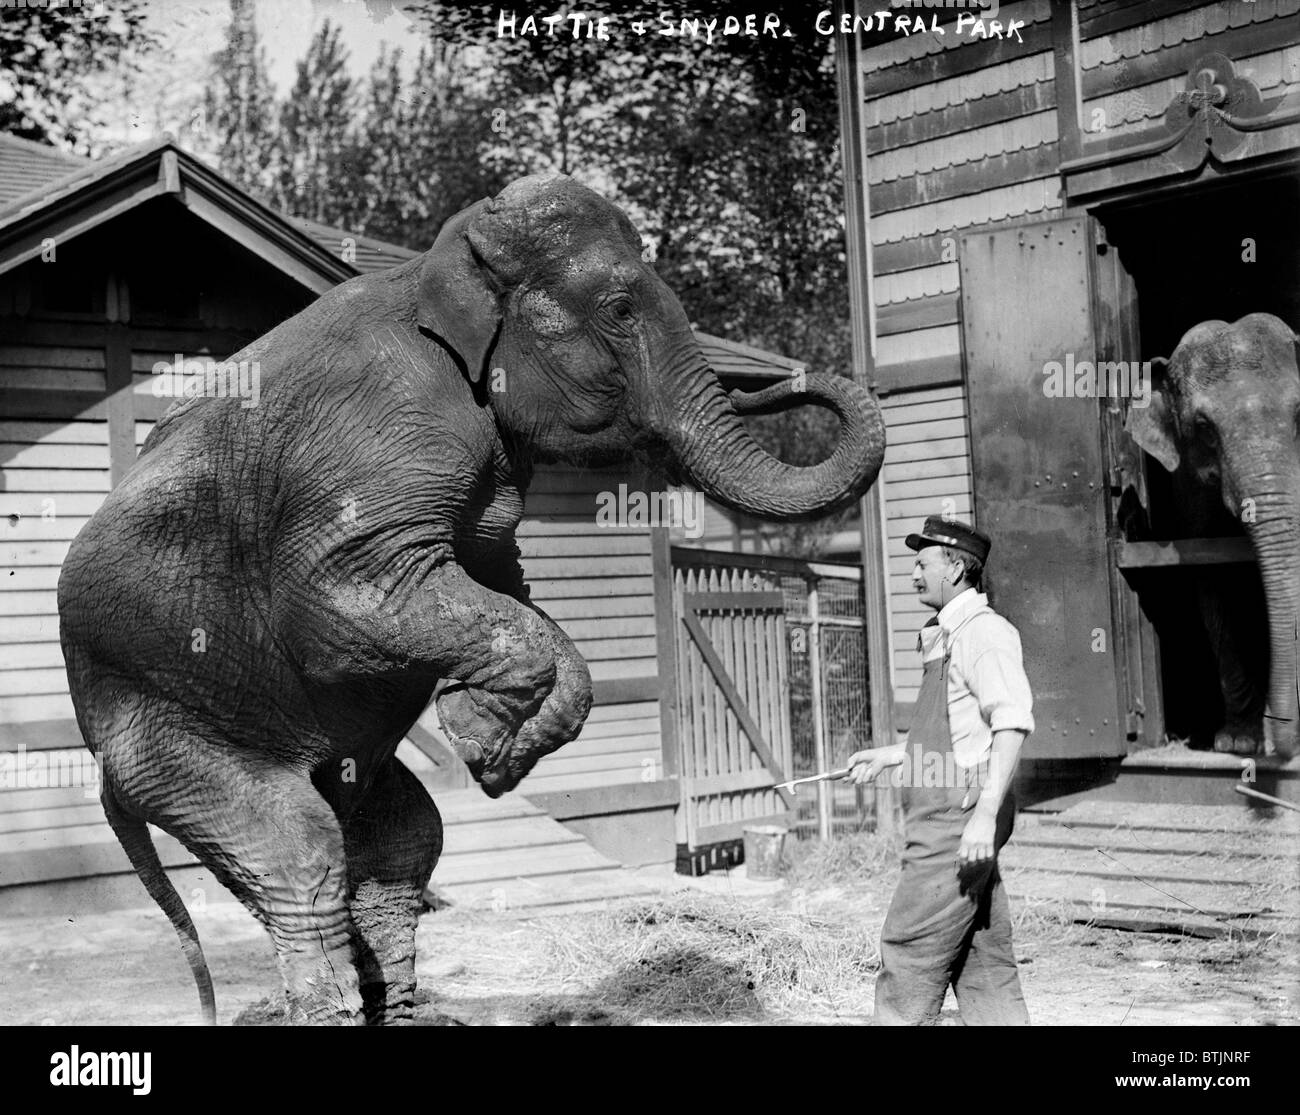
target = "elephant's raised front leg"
x: 564, y: 711
x: 393, y: 842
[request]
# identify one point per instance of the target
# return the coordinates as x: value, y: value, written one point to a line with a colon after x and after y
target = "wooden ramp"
x: 508, y: 854
x: 1201, y: 870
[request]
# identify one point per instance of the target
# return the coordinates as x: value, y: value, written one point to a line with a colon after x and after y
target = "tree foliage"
x: 50, y: 55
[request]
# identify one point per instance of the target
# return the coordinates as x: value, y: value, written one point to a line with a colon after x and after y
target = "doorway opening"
x: 1218, y: 251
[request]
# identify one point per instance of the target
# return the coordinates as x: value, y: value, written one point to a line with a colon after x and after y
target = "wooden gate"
x: 733, y: 711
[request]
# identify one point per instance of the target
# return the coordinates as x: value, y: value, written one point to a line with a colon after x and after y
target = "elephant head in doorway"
x: 1224, y: 419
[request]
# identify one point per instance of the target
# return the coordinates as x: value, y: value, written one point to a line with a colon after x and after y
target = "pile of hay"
x: 692, y: 956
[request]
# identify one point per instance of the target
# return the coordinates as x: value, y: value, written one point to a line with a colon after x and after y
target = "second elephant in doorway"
x: 1224, y: 419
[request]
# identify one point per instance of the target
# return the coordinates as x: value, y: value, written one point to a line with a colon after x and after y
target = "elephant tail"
x: 133, y: 835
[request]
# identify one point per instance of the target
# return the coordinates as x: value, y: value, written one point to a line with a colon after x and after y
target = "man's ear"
x: 459, y: 302
x: 1153, y: 426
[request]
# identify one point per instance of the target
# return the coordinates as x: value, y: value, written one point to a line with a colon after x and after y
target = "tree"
x: 240, y: 104
x: 48, y: 57
x: 316, y: 155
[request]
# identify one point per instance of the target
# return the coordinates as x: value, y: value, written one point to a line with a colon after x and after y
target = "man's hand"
x: 864, y: 766
x: 977, y: 839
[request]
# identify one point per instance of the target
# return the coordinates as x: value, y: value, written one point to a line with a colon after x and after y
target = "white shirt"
x: 987, y: 687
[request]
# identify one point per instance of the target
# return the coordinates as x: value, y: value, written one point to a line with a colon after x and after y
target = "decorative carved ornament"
x: 1217, y: 117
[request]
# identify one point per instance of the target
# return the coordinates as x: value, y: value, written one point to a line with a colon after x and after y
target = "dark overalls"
x: 946, y: 926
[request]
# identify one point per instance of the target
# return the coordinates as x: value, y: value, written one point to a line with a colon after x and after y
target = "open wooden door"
x: 1040, y: 445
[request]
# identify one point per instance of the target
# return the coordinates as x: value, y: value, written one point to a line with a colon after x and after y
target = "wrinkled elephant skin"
x: 266, y: 603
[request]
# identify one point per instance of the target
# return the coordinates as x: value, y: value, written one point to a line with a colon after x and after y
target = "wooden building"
x: 109, y: 267
x: 1091, y: 185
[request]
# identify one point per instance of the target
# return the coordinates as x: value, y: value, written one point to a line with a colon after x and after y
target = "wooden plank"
x: 592, y: 589
x: 1065, y: 63
x: 629, y: 797
x: 41, y: 735
x: 54, y: 433
x: 628, y: 764
x: 22, y: 683
x: 738, y: 709
x: 54, y: 380
x: 32, y: 820
x: 60, y: 457
x: 956, y: 466
x: 47, y: 481
x: 734, y: 601
x: 666, y: 651
x: 1183, y: 551
x: 918, y: 375
x: 919, y: 313
x: 29, y: 629
x: 56, y: 354
x: 27, y: 656
x: 29, y: 553
x: 29, y: 402
x: 598, y: 543
x: 99, y: 857
x: 974, y: 177
x: 615, y: 691
x: 932, y: 429
x: 927, y: 451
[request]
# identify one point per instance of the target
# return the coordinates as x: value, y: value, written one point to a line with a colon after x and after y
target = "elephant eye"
x: 620, y: 309
x: 1205, y: 431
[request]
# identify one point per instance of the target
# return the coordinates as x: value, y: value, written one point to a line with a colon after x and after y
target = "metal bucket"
x: 763, y: 846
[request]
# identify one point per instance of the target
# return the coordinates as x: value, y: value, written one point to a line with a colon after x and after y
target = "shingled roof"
x: 25, y: 166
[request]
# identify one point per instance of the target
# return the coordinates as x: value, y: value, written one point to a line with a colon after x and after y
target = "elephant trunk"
x: 1274, y: 532
x: 721, y: 457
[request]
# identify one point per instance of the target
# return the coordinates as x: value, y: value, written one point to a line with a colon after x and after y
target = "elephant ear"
x: 1153, y: 426
x: 459, y: 293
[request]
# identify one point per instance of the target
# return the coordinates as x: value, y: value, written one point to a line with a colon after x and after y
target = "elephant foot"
x: 391, y: 1004
x: 1237, y: 743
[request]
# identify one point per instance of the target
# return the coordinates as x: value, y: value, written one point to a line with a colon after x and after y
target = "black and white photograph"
x: 633, y: 515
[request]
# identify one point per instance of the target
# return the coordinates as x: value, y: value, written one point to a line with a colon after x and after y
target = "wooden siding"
x: 927, y: 472
x: 964, y: 134
x: 54, y: 473
x: 597, y: 583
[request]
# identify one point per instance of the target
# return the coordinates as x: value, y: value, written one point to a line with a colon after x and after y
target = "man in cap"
x: 949, y: 923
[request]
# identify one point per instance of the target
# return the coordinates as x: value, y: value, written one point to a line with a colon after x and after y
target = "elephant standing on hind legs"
x: 348, y: 545
x: 1224, y: 418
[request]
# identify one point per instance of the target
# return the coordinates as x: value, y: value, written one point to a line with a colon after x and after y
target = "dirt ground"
x: 723, y: 950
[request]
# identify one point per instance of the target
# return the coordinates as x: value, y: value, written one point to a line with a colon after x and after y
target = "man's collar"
x: 959, y: 607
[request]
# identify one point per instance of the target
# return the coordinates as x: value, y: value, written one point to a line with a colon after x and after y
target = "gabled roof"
x: 96, y: 192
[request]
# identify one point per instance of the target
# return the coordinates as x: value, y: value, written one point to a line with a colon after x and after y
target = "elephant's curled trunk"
x: 722, y: 458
